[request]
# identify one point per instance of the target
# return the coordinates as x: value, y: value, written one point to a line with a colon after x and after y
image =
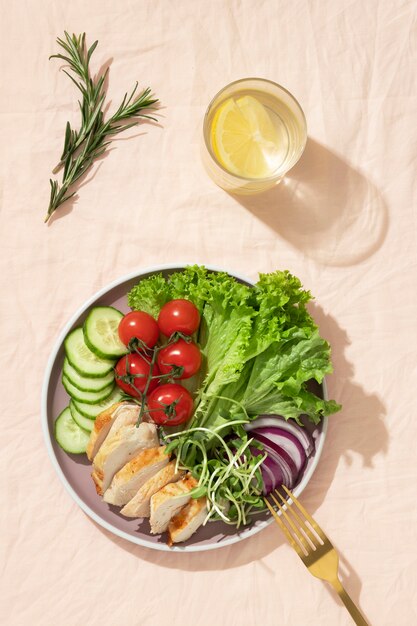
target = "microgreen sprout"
x: 231, y: 479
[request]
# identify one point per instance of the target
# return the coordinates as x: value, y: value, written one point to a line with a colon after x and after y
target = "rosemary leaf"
x: 83, y: 146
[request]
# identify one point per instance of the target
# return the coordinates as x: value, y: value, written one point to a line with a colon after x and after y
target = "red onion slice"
x: 276, y: 471
x: 268, y: 478
x: 271, y: 474
x: 287, y: 441
x: 282, y: 459
x: 290, y: 426
x: 282, y: 472
x: 287, y: 445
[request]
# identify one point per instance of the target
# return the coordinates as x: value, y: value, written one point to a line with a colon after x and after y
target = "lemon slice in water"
x: 244, y: 138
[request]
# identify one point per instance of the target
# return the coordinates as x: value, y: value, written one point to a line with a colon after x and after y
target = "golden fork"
x: 311, y: 545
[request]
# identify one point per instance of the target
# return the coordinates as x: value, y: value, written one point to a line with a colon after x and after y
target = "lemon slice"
x: 244, y: 138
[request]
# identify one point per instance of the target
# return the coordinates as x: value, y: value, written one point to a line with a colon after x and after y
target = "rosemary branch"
x: 82, y: 147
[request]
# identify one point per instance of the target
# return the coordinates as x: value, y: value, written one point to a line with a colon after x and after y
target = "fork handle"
x: 348, y: 602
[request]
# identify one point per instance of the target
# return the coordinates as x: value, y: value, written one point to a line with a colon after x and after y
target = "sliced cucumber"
x: 83, y: 422
x: 101, y: 332
x: 92, y: 410
x: 89, y: 397
x: 69, y: 435
x: 82, y: 359
x: 83, y: 383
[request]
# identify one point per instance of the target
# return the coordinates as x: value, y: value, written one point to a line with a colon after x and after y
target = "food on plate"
x: 168, y: 501
x: 83, y: 382
x: 178, y: 316
x: 210, y: 407
x: 187, y: 521
x: 138, y: 325
x: 181, y: 359
x: 82, y: 421
x: 123, y: 441
x: 128, y: 480
x: 288, y: 447
x: 170, y: 405
x: 82, y: 359
x: 101, y: 427
x: 139, y: 505
x: 92, y: 410
x: 89, y: 381
x: 88, y: 397
x: 68, y: 434
x: 101, y: 334
x: 134, y: 373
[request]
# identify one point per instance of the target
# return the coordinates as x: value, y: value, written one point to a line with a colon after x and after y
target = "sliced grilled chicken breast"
x: 168, y: 501
x: 123, y: 442
x: 139, y: 505
x: 134, y: 474
x: 187, y: 521
x: 102, y: 425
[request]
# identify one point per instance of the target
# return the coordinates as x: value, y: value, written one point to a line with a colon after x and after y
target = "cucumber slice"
x: 69, y: 435
x: 101, y: 332
x: 83, y: 383
x: 83, y: 422
x: 89, y: 397
x: 82, y: 359
x: 92, y: 410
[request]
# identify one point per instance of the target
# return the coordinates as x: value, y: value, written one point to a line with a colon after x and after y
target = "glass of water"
x: 254, y: 132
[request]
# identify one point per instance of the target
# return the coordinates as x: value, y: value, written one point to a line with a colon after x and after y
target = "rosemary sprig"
x: 78, y: 59
x: 82, y: 147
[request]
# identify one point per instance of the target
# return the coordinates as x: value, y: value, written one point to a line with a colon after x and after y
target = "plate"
x: 74, y: 470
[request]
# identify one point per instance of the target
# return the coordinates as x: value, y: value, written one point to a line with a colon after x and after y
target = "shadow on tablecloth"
x: 325, y: 208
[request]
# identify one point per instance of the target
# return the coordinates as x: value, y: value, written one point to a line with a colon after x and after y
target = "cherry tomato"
x: 140, y: 325
x: 178, y: 316
x: 170, y: 405
x: 135, y: 365
x: 183, y: 354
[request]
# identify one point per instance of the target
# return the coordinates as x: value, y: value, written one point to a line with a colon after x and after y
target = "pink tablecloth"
x: 344, y: 222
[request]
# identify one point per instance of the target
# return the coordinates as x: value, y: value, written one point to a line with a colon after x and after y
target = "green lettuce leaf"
x: 193, y: 283
x: 150, y: 295
x: 227, y: 320
x: 280, y: 303
x: 283, y: 353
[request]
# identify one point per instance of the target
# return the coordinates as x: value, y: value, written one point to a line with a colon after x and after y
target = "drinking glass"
x: 254, y: 132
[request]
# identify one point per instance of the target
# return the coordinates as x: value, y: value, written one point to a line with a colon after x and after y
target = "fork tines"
x: 303, y: 533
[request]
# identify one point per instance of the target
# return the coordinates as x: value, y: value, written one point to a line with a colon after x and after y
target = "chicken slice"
x: 168, y: 501
x: 139, y: 505
x: 102, y: 425
x: 187, y: 521
x: 124, y: 441
x: 134, y: 474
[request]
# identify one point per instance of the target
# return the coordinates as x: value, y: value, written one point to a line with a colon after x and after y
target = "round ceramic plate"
x: 74, y: 470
